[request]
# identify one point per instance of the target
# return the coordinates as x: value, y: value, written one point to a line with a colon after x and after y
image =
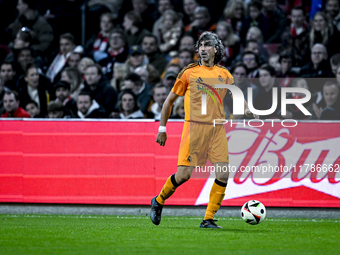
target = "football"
x: 253, y: 212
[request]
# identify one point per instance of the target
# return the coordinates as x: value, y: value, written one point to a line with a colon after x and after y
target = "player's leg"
x: 183, y: 174
x: 217, y: 192
x: 218, y: 155
x: 173, y: 182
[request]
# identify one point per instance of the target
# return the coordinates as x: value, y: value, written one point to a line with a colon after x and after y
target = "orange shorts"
x: 201, y: 142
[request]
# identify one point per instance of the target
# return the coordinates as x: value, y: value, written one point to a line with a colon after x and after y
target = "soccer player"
x: 200, y: 139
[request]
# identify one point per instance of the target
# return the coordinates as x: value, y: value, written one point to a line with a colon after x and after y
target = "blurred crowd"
x: 134, y: 50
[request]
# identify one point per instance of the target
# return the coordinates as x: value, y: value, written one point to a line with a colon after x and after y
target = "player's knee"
x: 223, y: 178
x: 182, y: 177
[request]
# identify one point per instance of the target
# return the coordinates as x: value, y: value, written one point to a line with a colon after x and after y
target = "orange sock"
x: 216, y: 198
x: 168, y: 189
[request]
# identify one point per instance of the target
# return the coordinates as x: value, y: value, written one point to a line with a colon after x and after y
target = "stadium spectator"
x: 251, y: 61
x: 84, y: 62
x: 63, y: 95
x: 56, y: 110
x: 159, y: 94
x: 99, y: 7
x: 201, y: 23
x: 178, y: 111
x: 234, y: 14
x: 301, y: 83
x: 296, y: 38
x: 286, y: 72
x: 185, y: 57
x: 66, y: 46
x: 255, y: 46
x: 27, y: 56
x: 99, y: 42
x: 2, y: 93
x: 33, y: 87
x: 128, y: 106
x: 143, y: 72
x: 173, y: 67
x: 8, y: 74
x: 337, y: 75
x: 73, y: 76
x: 136, y: 58
x: 11, y: 104
x: 30, y: 19
x: 149, y: 73
x: 255, y: 18
x: 23, y: 39
x: 274, y: 61
x: 146, y: 12
x: 254, y: 34
x: 116, y: 53
x: 239, y: 72
x: 334, y: 61
x: 264, y: 99
x: 33, y: 109
x: 277, y: 20
x: 187, y: 42
x: 162, y: 6
x: 329, y: 106
x: 323, y: 31
x: 74, y: 59
x: 141, y: 89
x: 189, y: 7
x: 230, y: 41
x: 99, y: 89
x: 151, y: 49
x: 333, y: 10
x: 318, y: 66
x: 134, y: 28
x: 120, y: 71
x: 170, y: 32
x: 169, y: 79
x: 88, y: 108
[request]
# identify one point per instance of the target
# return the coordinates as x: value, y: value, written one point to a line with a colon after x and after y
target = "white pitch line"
x: 147, y: 218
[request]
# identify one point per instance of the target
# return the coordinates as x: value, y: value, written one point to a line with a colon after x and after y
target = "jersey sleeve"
x: 181, y: 84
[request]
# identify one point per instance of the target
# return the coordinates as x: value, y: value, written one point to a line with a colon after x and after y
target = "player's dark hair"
x: 187, y: 50
x: 98, y: 67
x: 30, y: 66
x: 285, y: 54
x: 68, y: 36
x: 255, y: 3
x: 269, y: 69
x: 239, y: 64
x: 299, y: 8
x: 32, y: 102
x: 135, y: 78
x: 16, y: 94
x: 210, y: 36
x: 251, y: 53
x: 85, y: 93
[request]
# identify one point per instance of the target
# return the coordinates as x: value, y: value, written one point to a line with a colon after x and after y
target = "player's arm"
x: 166, y: 111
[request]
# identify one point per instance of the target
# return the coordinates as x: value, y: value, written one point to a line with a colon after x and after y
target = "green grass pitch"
x: 71, y: 234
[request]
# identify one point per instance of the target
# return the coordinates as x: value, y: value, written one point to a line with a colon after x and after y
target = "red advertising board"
x: 119, y: 162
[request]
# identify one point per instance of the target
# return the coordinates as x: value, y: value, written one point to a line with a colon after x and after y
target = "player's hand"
x: 161, y: 138
x: 248, y: 113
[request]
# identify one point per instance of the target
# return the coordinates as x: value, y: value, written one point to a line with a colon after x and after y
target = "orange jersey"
x: 196, y: 80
